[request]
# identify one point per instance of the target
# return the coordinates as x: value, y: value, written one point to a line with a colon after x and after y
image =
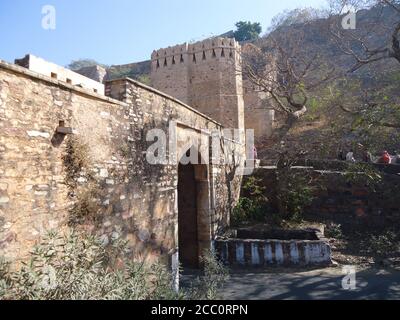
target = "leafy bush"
x: 382, y: 245
x: 79, y: 267
x: 364, y: 174
x: 334, y: 230
x: 252, y: 206
x: 215, y: 274
x: 295, y: 192
x: 294, y: 189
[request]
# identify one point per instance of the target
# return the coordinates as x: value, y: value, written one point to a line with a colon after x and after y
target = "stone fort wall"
x: 47, y: 178
x: 206, y: 75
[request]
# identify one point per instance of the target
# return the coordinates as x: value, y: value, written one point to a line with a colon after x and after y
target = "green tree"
x: 247, y: 31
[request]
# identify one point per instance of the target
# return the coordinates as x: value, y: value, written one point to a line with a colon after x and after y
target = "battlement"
x: 204, y: 75
x: 170, y: 51
x: 195, y: 52
x: 214, y: 43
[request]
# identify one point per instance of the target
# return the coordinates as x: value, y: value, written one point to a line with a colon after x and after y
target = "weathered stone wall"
x: 257, y: 115
x: 206, y: 75
x: 97, y: 179
x: 345, y: 203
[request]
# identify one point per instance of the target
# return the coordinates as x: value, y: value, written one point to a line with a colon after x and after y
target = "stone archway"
x: 187, y: 217
x: 194, y: 222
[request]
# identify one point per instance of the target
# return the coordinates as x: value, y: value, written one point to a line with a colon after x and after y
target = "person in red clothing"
x: 385, y: 158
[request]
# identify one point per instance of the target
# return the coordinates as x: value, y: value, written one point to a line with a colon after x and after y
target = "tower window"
x: 182, y: 61
x: 214, y: 55
x: 194, y: 57
x: 54, y: 75
x: 204, y: 55
x: 165, y: 62
x: 158, y: 63
x: 173, y: 59
x: 223, y: 53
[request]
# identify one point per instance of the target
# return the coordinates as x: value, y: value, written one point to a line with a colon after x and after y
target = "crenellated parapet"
x: 205, y: 75
x: 189, y: 53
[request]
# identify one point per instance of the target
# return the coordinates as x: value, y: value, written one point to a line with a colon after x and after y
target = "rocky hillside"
x: 317, y: 132
x: 326, y: 128
x: 318, y: 38
x: 139, y: 71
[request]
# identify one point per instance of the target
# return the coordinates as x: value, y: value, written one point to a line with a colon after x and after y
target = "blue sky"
x: 123, y: 31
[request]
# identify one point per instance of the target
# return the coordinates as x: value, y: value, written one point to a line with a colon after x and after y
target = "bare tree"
x: 362, y: 43
x: 376, y: 38
x: 286, y: 72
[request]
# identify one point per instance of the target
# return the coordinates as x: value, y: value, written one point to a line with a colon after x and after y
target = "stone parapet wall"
x: 263, y: 253
x: 49, y: 180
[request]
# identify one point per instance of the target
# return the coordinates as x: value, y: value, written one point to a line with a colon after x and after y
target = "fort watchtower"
x: 206, y: 75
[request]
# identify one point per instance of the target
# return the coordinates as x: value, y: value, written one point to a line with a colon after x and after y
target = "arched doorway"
x: 187, y: 217
x: 194, y: 219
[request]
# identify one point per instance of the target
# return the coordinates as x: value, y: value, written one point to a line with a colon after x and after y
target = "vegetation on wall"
x: 76, y: 161
x: 86, y: 199
x: 364, y: 175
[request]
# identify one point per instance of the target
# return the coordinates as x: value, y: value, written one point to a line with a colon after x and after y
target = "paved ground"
x: 319, y: 284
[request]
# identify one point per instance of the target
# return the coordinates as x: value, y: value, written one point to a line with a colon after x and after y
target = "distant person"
x: 385, y: 158
x: 341, y: 155
x: 367, y: 157
x: 350, y: 156
x: 255, y: 154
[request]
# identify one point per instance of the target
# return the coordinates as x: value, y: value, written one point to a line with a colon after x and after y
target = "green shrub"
x: 364, y: 174
x: 382, y: 245
x: 334, y: 230
x: 215, y: 274
x: 252, y: 206
x: 4, y: 277
x: 295, y: 192
x: 77, y: 267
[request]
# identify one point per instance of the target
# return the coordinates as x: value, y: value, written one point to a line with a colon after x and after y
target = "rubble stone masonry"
x: 49, y: 179
x: 206, y: 75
